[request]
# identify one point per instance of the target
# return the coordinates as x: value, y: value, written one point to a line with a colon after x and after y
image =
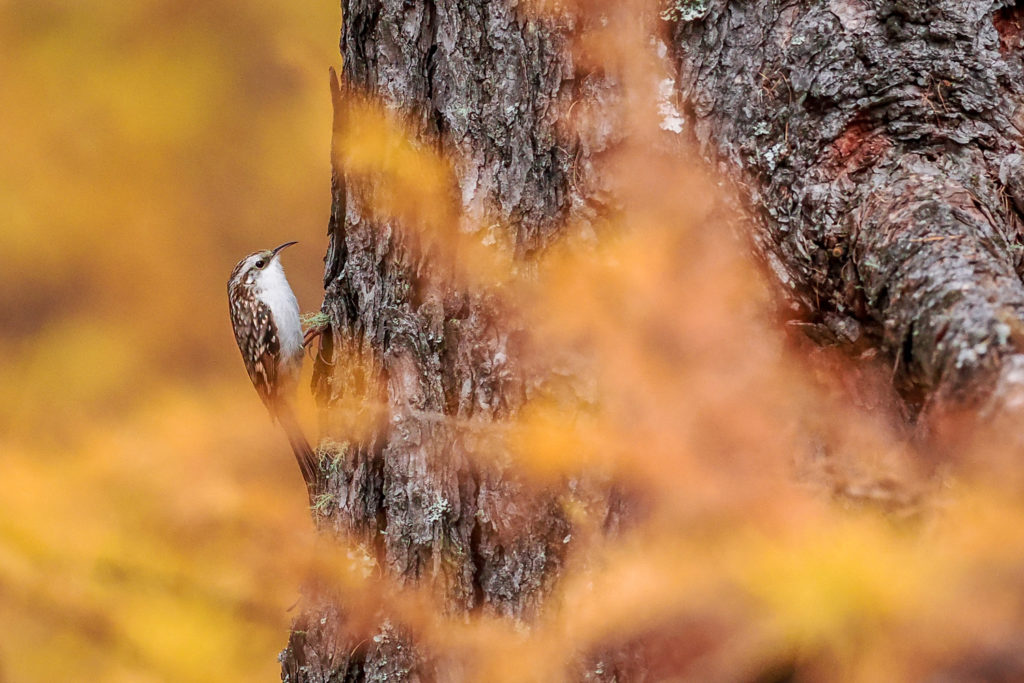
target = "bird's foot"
x: 314, y: 325
x: 311, y: 334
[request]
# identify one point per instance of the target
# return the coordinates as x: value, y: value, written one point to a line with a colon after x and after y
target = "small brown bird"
x: 265, y: 317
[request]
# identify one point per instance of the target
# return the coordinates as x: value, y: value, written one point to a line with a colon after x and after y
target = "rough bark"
x: 879, y: 144
x: 487, y: 85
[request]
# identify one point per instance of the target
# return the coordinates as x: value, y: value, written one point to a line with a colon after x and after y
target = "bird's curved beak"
x: 277, y: 250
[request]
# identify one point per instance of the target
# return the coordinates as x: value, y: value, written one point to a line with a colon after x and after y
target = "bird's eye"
x: 261, y: 263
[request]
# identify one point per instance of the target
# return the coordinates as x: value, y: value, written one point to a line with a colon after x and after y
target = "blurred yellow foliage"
x: 414, y: 186
x: 147, y: 147
x: 152, y: 525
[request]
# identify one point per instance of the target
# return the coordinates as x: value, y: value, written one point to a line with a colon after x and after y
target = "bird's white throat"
x: 273, y: 288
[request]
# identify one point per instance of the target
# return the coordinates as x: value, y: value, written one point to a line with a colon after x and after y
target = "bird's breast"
x: 278, y: 296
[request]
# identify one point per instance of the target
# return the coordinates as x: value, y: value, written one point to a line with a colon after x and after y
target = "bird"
x: 268, y: 330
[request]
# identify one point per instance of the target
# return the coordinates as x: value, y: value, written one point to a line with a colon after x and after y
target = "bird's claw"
x: 312, y: 332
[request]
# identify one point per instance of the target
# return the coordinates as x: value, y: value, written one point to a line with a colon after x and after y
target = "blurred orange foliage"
x: 152, y: 526
x: 147, y: 146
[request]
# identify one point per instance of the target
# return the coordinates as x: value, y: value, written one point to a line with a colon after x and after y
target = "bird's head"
x: 251, y: 269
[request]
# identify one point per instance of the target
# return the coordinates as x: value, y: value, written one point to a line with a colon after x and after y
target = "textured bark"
x: 487, y: 85
x: 879, y: 144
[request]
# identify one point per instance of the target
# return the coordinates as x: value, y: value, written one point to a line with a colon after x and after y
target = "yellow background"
x: 145, y: 147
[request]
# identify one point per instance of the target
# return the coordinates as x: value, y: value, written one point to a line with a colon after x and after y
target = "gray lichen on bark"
x: 487, y: 86
x: 877, y: 142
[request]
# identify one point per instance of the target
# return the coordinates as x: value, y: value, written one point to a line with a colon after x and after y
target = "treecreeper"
x: 268, y: 329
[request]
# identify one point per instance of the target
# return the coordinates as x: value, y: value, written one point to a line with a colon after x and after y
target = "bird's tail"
x: 304, y: 454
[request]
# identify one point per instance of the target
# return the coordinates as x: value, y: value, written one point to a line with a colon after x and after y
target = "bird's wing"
x: 266, y: 352
x: 257, y: 338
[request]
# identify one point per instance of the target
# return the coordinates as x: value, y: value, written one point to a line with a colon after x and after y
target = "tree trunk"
x: 877, y: 144
x: 487, y: 85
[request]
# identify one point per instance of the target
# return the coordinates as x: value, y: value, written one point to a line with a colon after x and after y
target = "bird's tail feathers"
x: 308, y: 461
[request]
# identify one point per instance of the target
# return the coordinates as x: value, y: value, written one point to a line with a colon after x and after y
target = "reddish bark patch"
x: 857, y: 148
x: 1009, y: 23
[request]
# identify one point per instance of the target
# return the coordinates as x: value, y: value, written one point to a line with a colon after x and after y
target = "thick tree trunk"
x: 486, y: 84
x: 878, y: 146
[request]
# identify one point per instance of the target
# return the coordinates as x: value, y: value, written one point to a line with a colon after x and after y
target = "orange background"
x: 147, y: 146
